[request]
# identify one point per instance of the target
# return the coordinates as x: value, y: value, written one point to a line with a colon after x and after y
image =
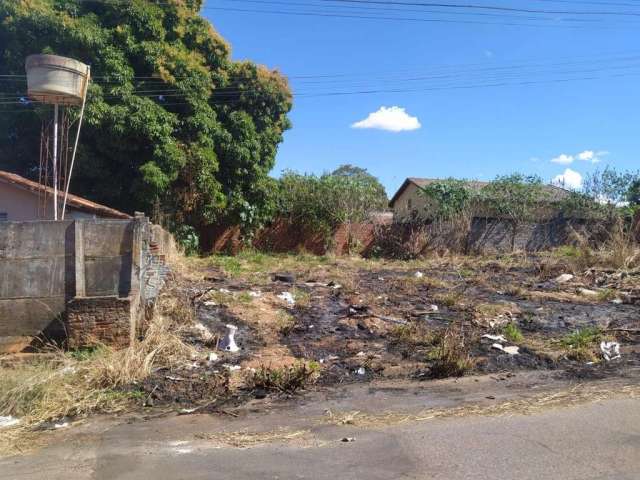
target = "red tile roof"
x: 77, y: 203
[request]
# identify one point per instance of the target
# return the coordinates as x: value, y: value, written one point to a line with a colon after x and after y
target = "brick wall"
x: 105, y: 320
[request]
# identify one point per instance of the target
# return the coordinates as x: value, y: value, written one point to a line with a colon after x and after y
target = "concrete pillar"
x: 79, y: 259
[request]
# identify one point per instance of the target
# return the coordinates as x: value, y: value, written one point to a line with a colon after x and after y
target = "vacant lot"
x: 335, y: 320
x: 315, y: 322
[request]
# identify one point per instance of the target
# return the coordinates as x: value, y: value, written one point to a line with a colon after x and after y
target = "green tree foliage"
x: 324, y: 202
x: 633, y: 193
x: 171, y: 120
x: 516, y: 197
x: 448, y: 199
x: 606, y: 194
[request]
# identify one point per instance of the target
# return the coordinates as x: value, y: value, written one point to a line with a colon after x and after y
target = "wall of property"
x: 37, y: 277
x: 75, y: 278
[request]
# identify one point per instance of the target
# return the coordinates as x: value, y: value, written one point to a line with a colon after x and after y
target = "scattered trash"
x: 433, y: 308
x: 495, y: 338
x: 418, y: 274
x: 564, y: 278
x: 361, y: 371
x: 187, y: 411
x: 381, y: 279
x: 499, y: 321
x: 284, y: 277
x: 210, y: 304
x: 617, y: 301
x: 287, y: 297
x: 204, y: 332
x: 512, y: 350
x: 228, y: 343
x: 232, y: 368
x: 255, y: 294
x: 587, y: 293
x: 213, y: 357
x: 348, y: 439
x: 63, y: 424
x: 360, y: 354
x: 68, y: 370
x: 225, y: 291
x: 610, y: 350
x: 6, y: 422
x: 334, y: 285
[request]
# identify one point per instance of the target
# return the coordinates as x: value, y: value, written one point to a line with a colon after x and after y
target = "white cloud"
x: 392, y: 119
x: 585, y: 156
x: 563, y: 159
x: 570, y: 179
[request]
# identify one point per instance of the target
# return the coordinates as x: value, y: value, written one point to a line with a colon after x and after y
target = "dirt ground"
x: 349, y: 320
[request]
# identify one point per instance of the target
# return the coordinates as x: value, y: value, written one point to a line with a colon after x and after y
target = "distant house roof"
x: 77, y: 203
x: 556, y: 193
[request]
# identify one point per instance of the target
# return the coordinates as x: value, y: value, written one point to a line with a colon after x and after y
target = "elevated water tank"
x: 54, y: 79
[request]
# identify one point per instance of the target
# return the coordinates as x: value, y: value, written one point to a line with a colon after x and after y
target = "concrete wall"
x: 37, y: 278
x: 52, y: 273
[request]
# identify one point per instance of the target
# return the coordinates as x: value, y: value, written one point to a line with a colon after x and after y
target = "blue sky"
x: 471, y: 132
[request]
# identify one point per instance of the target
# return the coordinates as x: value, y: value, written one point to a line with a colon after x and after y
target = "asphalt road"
x: 594, y: 441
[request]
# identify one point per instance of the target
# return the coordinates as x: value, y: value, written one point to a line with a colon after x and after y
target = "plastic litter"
x: 418, y: 274
x: 287, y: 297
x: 361, y: 371
x: 512, y: 350
x: 433, y: 308
x: 610, y: 350
x: 225, y: 291
x: 228, y: 343
x: 564, y: 278
x: 348, y: 439
x: 210, y: 304
x: 255, y: 294
x: 232, y: 368
x: 6, y: 422
x: 617, y: 301
x: 587, y: 293
x: 495, y: 338
x: 213, y: 357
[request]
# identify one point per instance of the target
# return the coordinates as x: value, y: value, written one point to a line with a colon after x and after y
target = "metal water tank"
x: 54, y: 79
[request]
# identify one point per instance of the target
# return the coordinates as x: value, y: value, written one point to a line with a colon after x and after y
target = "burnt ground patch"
x: 361, y: 320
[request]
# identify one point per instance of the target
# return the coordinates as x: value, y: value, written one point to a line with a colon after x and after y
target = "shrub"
x: 512, y: 332
x: 451, y: 356
x: 287, y: 379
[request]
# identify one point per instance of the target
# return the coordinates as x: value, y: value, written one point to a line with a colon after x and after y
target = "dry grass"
x: 75, y: 385
x: 578, y: 395
x: 287, y: 379
x: 450, y: 357
x: 246, y: 439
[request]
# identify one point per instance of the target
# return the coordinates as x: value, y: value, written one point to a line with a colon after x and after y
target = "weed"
x: 287, y: 379
x: 413, y: 336
x: 286, y: 322
x: 512, y: 332
x: 245, y: 297
x: 302, y: 298
x: 580, y: 345
x: 451, y: 356
x: 607, y: 294
x: 581, y: 338
x: 449, y: 300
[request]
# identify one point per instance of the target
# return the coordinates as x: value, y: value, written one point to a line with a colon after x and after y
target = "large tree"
x: 171, y: 120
